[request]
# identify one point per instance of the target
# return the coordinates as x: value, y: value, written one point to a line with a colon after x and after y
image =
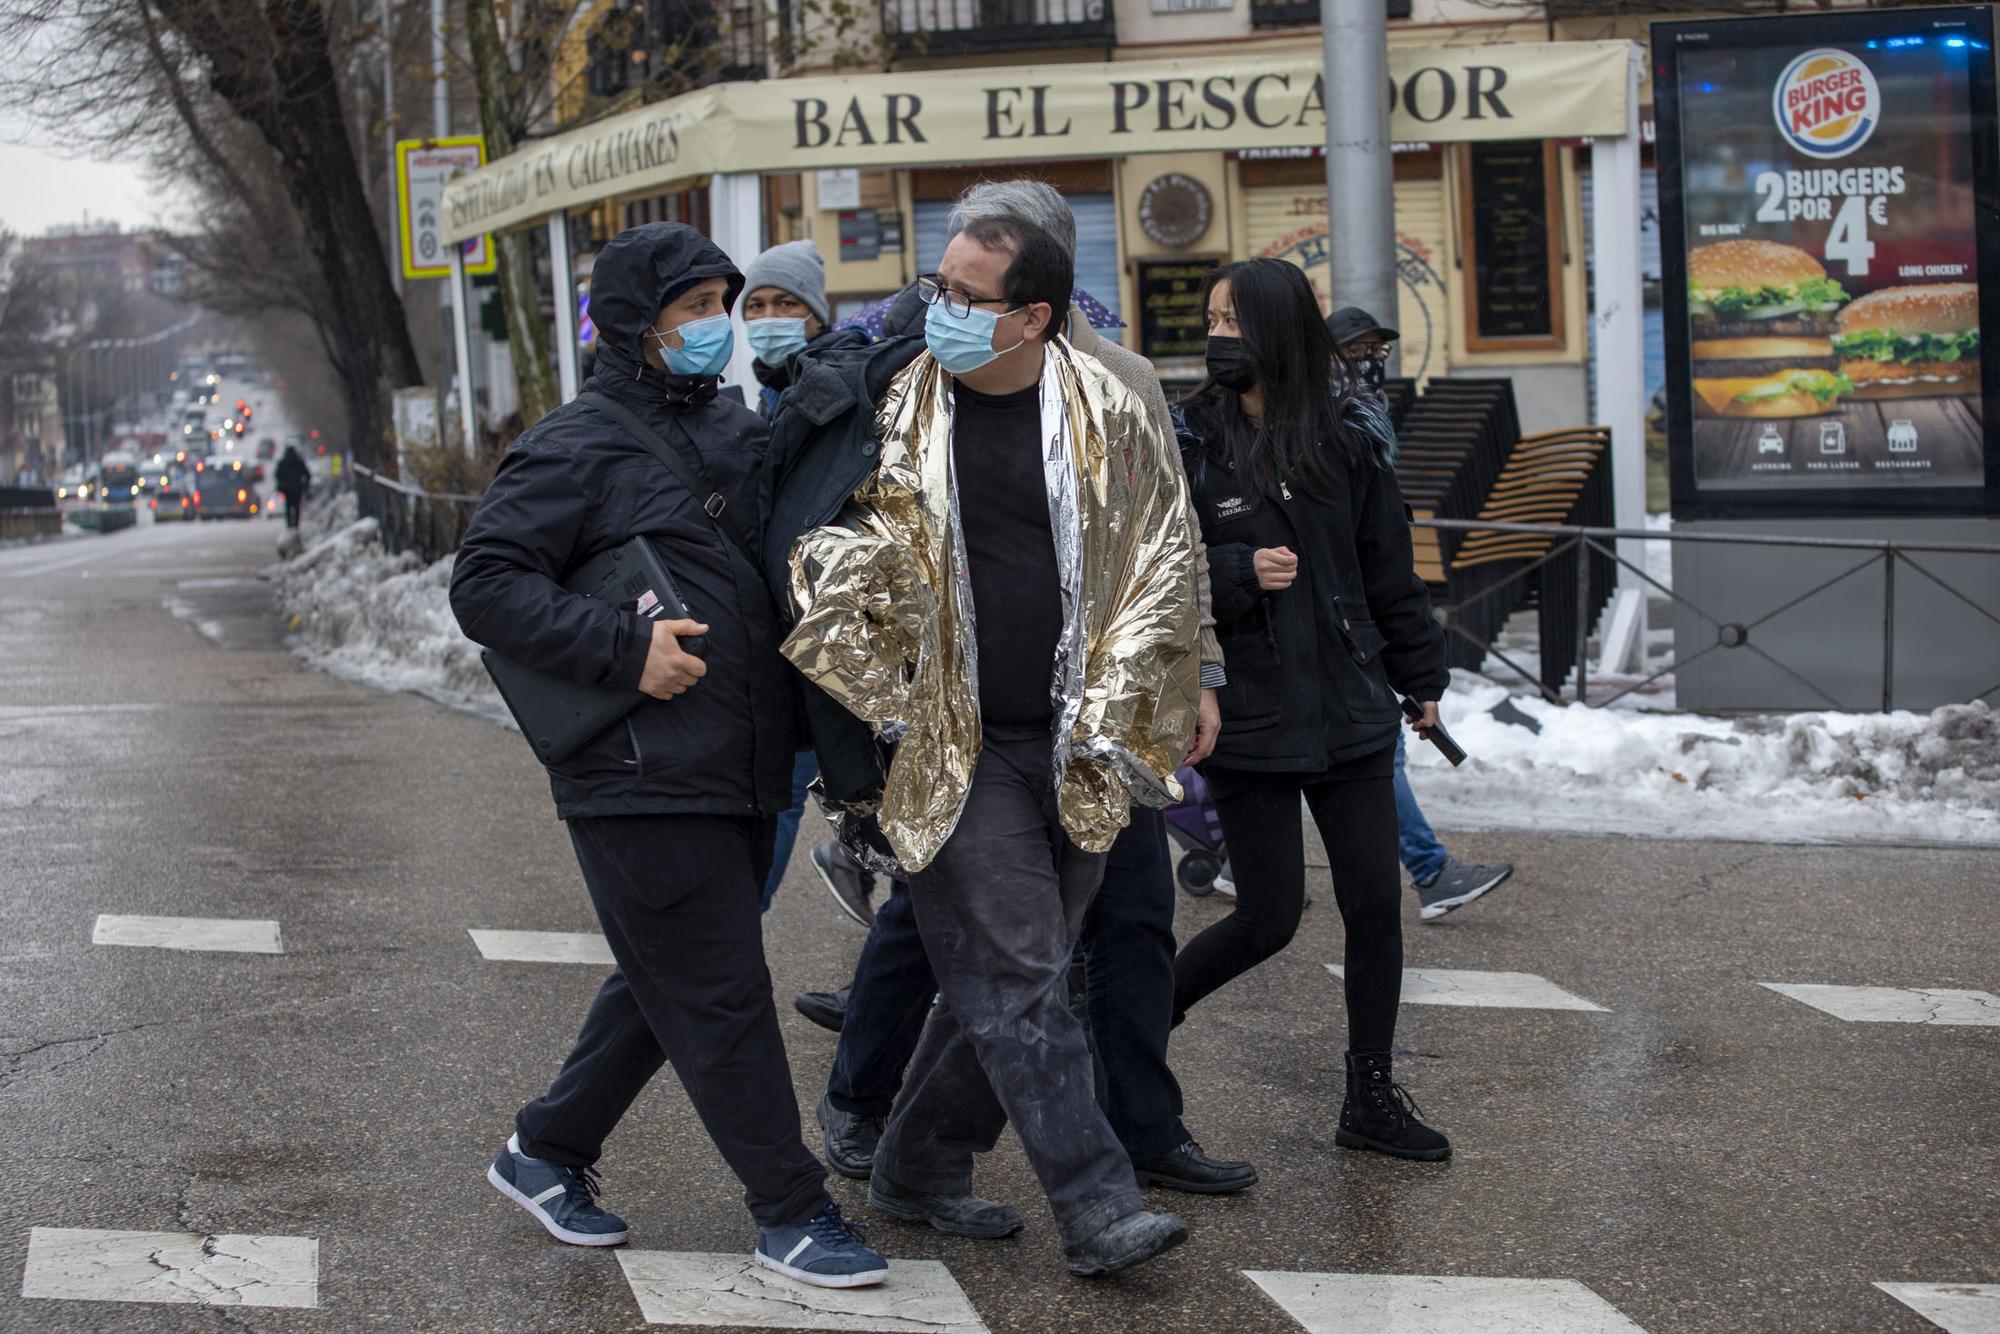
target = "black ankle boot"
x: 1379, y: 1115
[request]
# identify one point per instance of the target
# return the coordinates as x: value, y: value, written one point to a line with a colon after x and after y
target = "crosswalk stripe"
x: 1483, y: 990
x: 694, y: 1288
x: 542, y: 946
x: 1955, y: 1308
x: 228, y: 1269
x: 1895, y: 1005
x: 231, y: 935
x: 1425, y: 1304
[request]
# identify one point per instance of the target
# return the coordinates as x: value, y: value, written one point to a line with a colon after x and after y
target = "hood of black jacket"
x: 637, y: 273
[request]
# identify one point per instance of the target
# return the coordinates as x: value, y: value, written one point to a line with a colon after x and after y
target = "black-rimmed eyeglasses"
x: 932, y: 289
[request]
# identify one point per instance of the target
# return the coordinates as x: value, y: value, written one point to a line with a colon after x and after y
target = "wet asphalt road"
x: 1704, y: 1154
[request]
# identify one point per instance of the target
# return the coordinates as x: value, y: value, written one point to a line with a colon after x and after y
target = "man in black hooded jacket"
x: 670, y: 810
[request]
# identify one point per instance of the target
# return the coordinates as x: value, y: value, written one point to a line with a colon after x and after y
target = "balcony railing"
x: 956, y: 27
x: 1303, y: 13
x: 674, y: 42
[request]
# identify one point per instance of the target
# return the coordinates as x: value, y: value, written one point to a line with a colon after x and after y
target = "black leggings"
x: 1266, y: 841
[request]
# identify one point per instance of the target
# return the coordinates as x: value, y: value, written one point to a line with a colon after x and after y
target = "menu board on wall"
x: 1172, y: 322
x: 1511, y: 237
x: 1830, y: 234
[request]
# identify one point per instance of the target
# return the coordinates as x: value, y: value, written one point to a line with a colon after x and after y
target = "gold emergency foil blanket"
x: 886, y: 625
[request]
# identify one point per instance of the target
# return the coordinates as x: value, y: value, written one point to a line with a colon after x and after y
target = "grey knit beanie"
x: 795, y: 267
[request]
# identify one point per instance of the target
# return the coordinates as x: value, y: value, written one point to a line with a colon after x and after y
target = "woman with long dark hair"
x: 1323, y: 622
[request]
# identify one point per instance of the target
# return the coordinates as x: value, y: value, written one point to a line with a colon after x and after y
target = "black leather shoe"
x: 955, y: 1215
x: 1133, y: 1239
x: 849, y: 1140
x: 828, y: 1009
x: 1188, y: 1169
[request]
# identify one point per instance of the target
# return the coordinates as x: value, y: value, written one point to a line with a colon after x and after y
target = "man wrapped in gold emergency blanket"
x: 886, y: 619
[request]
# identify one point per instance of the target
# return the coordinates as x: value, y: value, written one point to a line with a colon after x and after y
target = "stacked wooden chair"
x: 1463, y: 457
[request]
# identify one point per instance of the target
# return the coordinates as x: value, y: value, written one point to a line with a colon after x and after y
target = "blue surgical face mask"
x: 778, y: 339
x: 962, y: 345
x: 705, y: 346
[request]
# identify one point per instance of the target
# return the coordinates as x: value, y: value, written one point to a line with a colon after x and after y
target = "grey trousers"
x: 999, y: 909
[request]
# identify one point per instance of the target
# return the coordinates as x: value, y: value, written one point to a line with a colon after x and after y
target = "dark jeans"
x: 677, y: 897
x: 886, y: 1009
x: 1266, y: 838
x: 293, y: 500
x: 1128, y: 951
x: 999, y: 909
x: 1128, y: 959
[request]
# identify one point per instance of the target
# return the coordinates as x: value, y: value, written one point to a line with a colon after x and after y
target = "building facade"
x: 1494, y: 241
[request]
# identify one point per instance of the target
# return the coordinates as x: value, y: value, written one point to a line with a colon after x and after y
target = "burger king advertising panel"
x: 1832, y: 253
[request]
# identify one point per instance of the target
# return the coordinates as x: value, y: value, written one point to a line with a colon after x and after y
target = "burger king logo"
x: 1826, y: 103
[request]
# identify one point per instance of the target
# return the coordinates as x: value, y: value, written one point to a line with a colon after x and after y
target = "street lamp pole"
x: 1360, y: 171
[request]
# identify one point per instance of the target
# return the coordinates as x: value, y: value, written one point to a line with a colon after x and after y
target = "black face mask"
x: 1229, y: 365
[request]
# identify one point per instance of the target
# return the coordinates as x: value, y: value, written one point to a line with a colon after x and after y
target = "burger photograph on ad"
x: 1916, y: 341
x: 1761, y: 316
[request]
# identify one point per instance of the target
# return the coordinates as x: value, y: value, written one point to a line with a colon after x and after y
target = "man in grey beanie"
x: 784, y: 312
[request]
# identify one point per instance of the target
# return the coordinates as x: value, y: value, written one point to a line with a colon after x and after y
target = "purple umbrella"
x: 869, y: 318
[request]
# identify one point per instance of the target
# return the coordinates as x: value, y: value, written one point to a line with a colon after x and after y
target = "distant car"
x: 170, y: 503
x: 224, y: 490
x: 267, y: 448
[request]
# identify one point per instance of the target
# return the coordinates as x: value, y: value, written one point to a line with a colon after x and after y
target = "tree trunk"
x: 514, y: 250
x: 290, y: 92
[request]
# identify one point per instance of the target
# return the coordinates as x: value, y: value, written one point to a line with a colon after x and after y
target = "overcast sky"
x: 39, y: 190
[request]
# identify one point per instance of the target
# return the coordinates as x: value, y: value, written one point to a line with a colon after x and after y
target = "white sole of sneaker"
x: 866, y: 1278
x: 846, y: 908
x: 555, y: 1229
x: 1432, y: 911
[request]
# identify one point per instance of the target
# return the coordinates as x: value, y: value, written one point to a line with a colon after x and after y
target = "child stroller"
x: 1192, y: 823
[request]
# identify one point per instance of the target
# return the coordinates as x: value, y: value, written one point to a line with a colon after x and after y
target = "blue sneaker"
x: 826, y: 1251
x: 562, y: 1199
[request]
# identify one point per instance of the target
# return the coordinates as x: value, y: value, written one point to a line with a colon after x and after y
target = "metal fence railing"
x: 412, y: 519
x: 1563, y: 563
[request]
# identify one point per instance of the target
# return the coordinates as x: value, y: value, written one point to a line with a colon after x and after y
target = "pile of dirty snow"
x: 1799, y: 778
x: 362, y: 614
x: 384, y: 621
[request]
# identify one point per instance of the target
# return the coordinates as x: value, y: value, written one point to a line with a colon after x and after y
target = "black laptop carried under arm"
x: 560, y: 716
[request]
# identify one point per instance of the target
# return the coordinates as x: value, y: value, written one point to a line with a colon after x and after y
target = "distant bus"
x: 118, y: 476
x: 224, y: 489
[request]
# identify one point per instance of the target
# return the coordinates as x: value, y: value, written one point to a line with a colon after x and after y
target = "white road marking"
x: 32, y: 712
x: 107, y: 548
x: 688, y: 1288
x: 85, y: 1264
x: 1470, y: 986
x: 1421, y: 1304
x: 1956, y: 1308
x: 231, y: 935
x: 542, y: 946
x: 1895, y: 1005
x: 180, y: 610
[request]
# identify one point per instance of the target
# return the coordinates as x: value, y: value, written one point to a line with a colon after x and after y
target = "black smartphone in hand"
x: 1436, y: 735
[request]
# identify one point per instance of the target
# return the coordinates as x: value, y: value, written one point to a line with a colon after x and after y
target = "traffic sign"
x: 422, y: 168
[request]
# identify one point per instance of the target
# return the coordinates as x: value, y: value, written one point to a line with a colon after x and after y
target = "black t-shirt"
x: 1010, y: 553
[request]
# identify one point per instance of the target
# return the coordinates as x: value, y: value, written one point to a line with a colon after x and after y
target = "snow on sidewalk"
x: 1801, y: 778
x: 385, y: 621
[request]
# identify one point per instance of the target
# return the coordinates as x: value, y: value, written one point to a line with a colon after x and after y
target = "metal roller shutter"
x: 1289, y: 222
x: 1096, y: 242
